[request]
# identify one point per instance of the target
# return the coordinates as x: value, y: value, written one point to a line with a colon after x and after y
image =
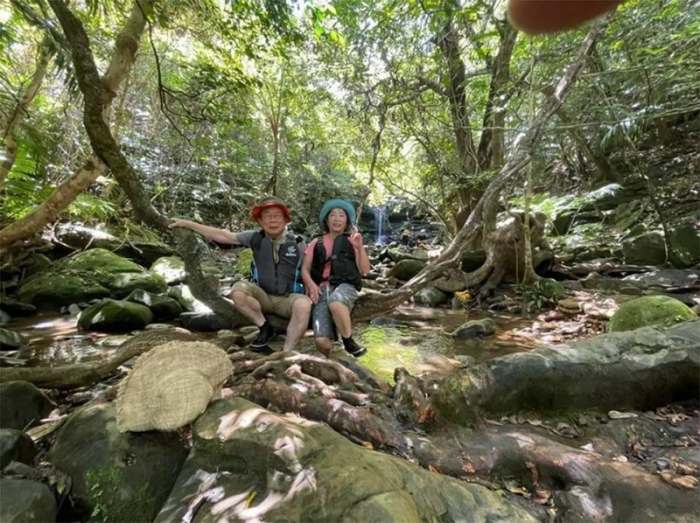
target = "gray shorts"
x: 321, y: 315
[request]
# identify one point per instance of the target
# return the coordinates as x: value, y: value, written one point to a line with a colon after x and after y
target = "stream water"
x: 419, y: 341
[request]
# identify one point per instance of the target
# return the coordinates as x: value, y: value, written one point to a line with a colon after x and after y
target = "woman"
x: 332, y: 272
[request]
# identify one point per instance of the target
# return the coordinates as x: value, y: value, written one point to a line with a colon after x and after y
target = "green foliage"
x: 540, y: 294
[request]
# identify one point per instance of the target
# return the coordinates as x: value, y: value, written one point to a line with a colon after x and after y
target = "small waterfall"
x: 379, y: 221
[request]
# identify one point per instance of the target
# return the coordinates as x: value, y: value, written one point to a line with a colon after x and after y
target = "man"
x: 277, y: 256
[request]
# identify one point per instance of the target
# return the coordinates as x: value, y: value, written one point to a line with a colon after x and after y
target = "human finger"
x: 549, y: 16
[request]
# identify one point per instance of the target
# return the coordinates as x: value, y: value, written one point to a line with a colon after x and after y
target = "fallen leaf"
x: 686, y: 482
x: 433, y: 468
x: 368, y: 445
x: 614, y: 414
x: 675, y: 419
x: 250, y: 498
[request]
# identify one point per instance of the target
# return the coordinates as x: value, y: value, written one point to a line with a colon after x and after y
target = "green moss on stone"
x: 245, y: 258
x: 99, y: 260
x: 650, y: 311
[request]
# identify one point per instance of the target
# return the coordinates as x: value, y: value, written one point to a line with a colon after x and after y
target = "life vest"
x: 343, y: 263
x: 283, y: 277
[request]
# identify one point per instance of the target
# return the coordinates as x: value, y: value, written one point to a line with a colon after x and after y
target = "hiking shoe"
x: 264, y: 336
x: 353, y: 348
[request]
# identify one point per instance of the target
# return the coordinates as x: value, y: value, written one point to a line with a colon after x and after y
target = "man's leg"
x: 242, y: 296
x: 298, y: 321
x: 253, y: 302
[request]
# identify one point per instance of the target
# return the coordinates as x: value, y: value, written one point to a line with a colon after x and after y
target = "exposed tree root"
x: 590, y: 485
x: 86, y: 374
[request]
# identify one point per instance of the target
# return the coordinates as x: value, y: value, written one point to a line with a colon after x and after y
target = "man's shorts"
x: 321, y: 315
x: 269, y: 303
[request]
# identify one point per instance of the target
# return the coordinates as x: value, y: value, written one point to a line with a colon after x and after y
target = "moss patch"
x: 385, y: 353
x: 650, y: 311
x: 245, y: 258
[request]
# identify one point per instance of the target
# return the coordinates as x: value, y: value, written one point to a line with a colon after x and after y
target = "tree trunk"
x: 96, y: 97
x: 483, y: 218
x: 491, y: 151
x: 46, y: 51
x: 127, y: 44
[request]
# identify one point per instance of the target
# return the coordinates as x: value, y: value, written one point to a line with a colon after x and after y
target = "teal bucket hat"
x: 336, y: 204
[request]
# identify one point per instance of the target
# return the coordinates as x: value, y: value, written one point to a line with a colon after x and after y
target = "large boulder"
x: 98, y: 261
x: 650, y: 311
x: 26, y: 501
x: 685, y: 243
x: 116, y: 477
x: 640, y: 369
x: 123, y: 284
x: 284, y: 468
x: 115, y: 316
x: 11, y: 340
x: 52, y: 291
x: 161, y: 305
x: 15, y: 445
x: 668, y: 278
x: 646, y: 249
x: 22, y: 405
x: 80, y: 237
x: 406, y: 269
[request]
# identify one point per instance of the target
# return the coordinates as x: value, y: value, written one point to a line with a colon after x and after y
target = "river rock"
x: 22, y: 405
x: 80, y: 237
x: 284, y: 468
x: 171, y: 268
x: 123, y: 284
x: 99, y: 262
x: 183, y: 295
x: 51, y: 291
x: 677, y: 278
x: 11, y: 340
x: 4, y: 318
x: 124, y: 477
x: 685, y: 243
x: 26, y: 501
x: 474, y: 328
x: 649, y: 311
x: 115, y: 316
x: 406, y: 269
x: 145, y: 252
x: 162, y: 306
x: 639, y: 369
x: 646, y: 249
x: 430, y: 297
x: 203, y: 321
x: 34, y: 264
x: 16, y: 308
x: 15, y: 445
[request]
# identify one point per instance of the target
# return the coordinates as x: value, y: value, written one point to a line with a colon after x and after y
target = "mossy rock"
x: 124, y: 284
x: 161, y: 305
x: 245, y: 258
x: 406, y: 269
x: 52, y: 290
x: 99, y: 261
x: 650, y: 311
x: 686, y: 246
x: 171, y: 268
x: 115, y: 316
